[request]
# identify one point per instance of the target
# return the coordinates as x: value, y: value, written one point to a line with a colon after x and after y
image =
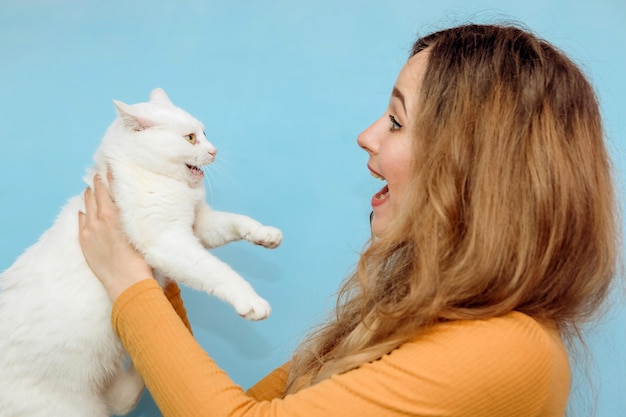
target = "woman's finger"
x: 110, y: 177
x: 91, y: 206
x: 103, y: 199
x: 98, y: 187
x: 81, y: 220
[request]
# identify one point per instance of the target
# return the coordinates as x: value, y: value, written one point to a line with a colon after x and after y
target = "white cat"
x: 58, y: 353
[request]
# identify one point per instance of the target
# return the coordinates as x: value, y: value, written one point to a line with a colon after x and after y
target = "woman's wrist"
x: 130, y: 271
x: 117, y: 286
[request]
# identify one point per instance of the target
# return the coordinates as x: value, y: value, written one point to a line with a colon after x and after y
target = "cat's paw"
x: 252, y: 308
x: 266, y: 236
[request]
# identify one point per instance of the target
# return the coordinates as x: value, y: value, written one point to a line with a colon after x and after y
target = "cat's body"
x: 58, y: 353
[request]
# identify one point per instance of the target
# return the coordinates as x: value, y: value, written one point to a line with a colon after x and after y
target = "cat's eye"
x: 191, y: 138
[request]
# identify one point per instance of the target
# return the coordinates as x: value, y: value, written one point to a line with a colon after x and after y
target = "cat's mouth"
x: 196, y: 172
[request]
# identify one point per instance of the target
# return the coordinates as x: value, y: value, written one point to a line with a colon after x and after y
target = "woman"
x: 494, y: 238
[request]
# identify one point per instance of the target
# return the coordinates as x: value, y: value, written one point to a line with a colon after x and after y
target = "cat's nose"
x: 212, y: 153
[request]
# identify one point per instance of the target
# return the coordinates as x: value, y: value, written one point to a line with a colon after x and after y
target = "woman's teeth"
x: 383, y: 193
x: 375, y: 175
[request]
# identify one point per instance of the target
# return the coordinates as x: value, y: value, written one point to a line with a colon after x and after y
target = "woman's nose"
x: 369, y: 138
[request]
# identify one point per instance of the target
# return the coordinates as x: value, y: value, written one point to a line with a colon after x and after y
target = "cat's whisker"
x: 222, y: 159
x: 209, y: 189
x: 222, y: 171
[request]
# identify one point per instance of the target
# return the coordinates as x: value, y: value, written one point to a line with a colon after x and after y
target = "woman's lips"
x: 380, y: 197
x: 375, y: 174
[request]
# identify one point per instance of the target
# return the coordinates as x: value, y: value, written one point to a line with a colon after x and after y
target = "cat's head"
x: 162, y: 138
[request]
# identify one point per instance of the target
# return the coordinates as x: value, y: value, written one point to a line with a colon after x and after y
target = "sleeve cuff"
x: 126, y: 298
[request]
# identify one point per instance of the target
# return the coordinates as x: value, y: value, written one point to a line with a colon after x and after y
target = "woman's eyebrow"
x: 398, y: 94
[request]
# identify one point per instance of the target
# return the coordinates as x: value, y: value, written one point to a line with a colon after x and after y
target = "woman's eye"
x: 191, y: 138
x: 394, y: 123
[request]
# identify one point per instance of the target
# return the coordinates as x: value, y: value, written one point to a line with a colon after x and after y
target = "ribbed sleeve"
x: 172, y: 292
x: 505, y: 366
x: 272, y: 386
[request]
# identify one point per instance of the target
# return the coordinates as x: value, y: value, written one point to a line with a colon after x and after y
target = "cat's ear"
x: 158, y: 94
x: 131, y: 120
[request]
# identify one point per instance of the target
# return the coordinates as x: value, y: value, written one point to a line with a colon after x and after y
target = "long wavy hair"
x: 511, y: 204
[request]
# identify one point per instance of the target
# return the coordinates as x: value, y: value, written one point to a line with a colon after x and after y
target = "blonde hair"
x: 511, y: 205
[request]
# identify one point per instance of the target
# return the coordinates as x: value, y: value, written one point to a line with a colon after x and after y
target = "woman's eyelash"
x: 394, y: 123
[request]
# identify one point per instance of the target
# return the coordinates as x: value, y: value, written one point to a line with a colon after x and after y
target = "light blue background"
x: 284, y: 87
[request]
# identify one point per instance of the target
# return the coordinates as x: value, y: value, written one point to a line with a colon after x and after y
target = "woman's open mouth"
x: 381, y: 195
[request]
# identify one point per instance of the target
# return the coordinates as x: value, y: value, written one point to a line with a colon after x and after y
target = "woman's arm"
x: 172, y: 292
x: 498, y: 367
x: 494, y: 367
x: 271, y: 386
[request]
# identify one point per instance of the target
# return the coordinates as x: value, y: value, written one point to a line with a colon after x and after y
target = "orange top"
x: 503, y: 366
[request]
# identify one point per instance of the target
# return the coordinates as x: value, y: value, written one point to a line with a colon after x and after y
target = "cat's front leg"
x: 182, y: 258
x: 217, y: 228
x: 124, y: 392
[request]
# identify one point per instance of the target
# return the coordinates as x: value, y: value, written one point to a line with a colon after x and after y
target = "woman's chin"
x: 376, y: 226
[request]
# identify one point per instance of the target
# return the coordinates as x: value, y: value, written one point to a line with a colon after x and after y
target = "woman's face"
x: 389, y: 142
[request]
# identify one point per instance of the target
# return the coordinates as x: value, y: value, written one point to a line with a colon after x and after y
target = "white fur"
x: 58, y: 353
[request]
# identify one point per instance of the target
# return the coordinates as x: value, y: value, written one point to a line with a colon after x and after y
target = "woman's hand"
x: 107, y: 251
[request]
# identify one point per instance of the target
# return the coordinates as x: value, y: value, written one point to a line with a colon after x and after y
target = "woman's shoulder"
x: 511, y: 361
x: 513, y: 331
x: 514, y: 340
